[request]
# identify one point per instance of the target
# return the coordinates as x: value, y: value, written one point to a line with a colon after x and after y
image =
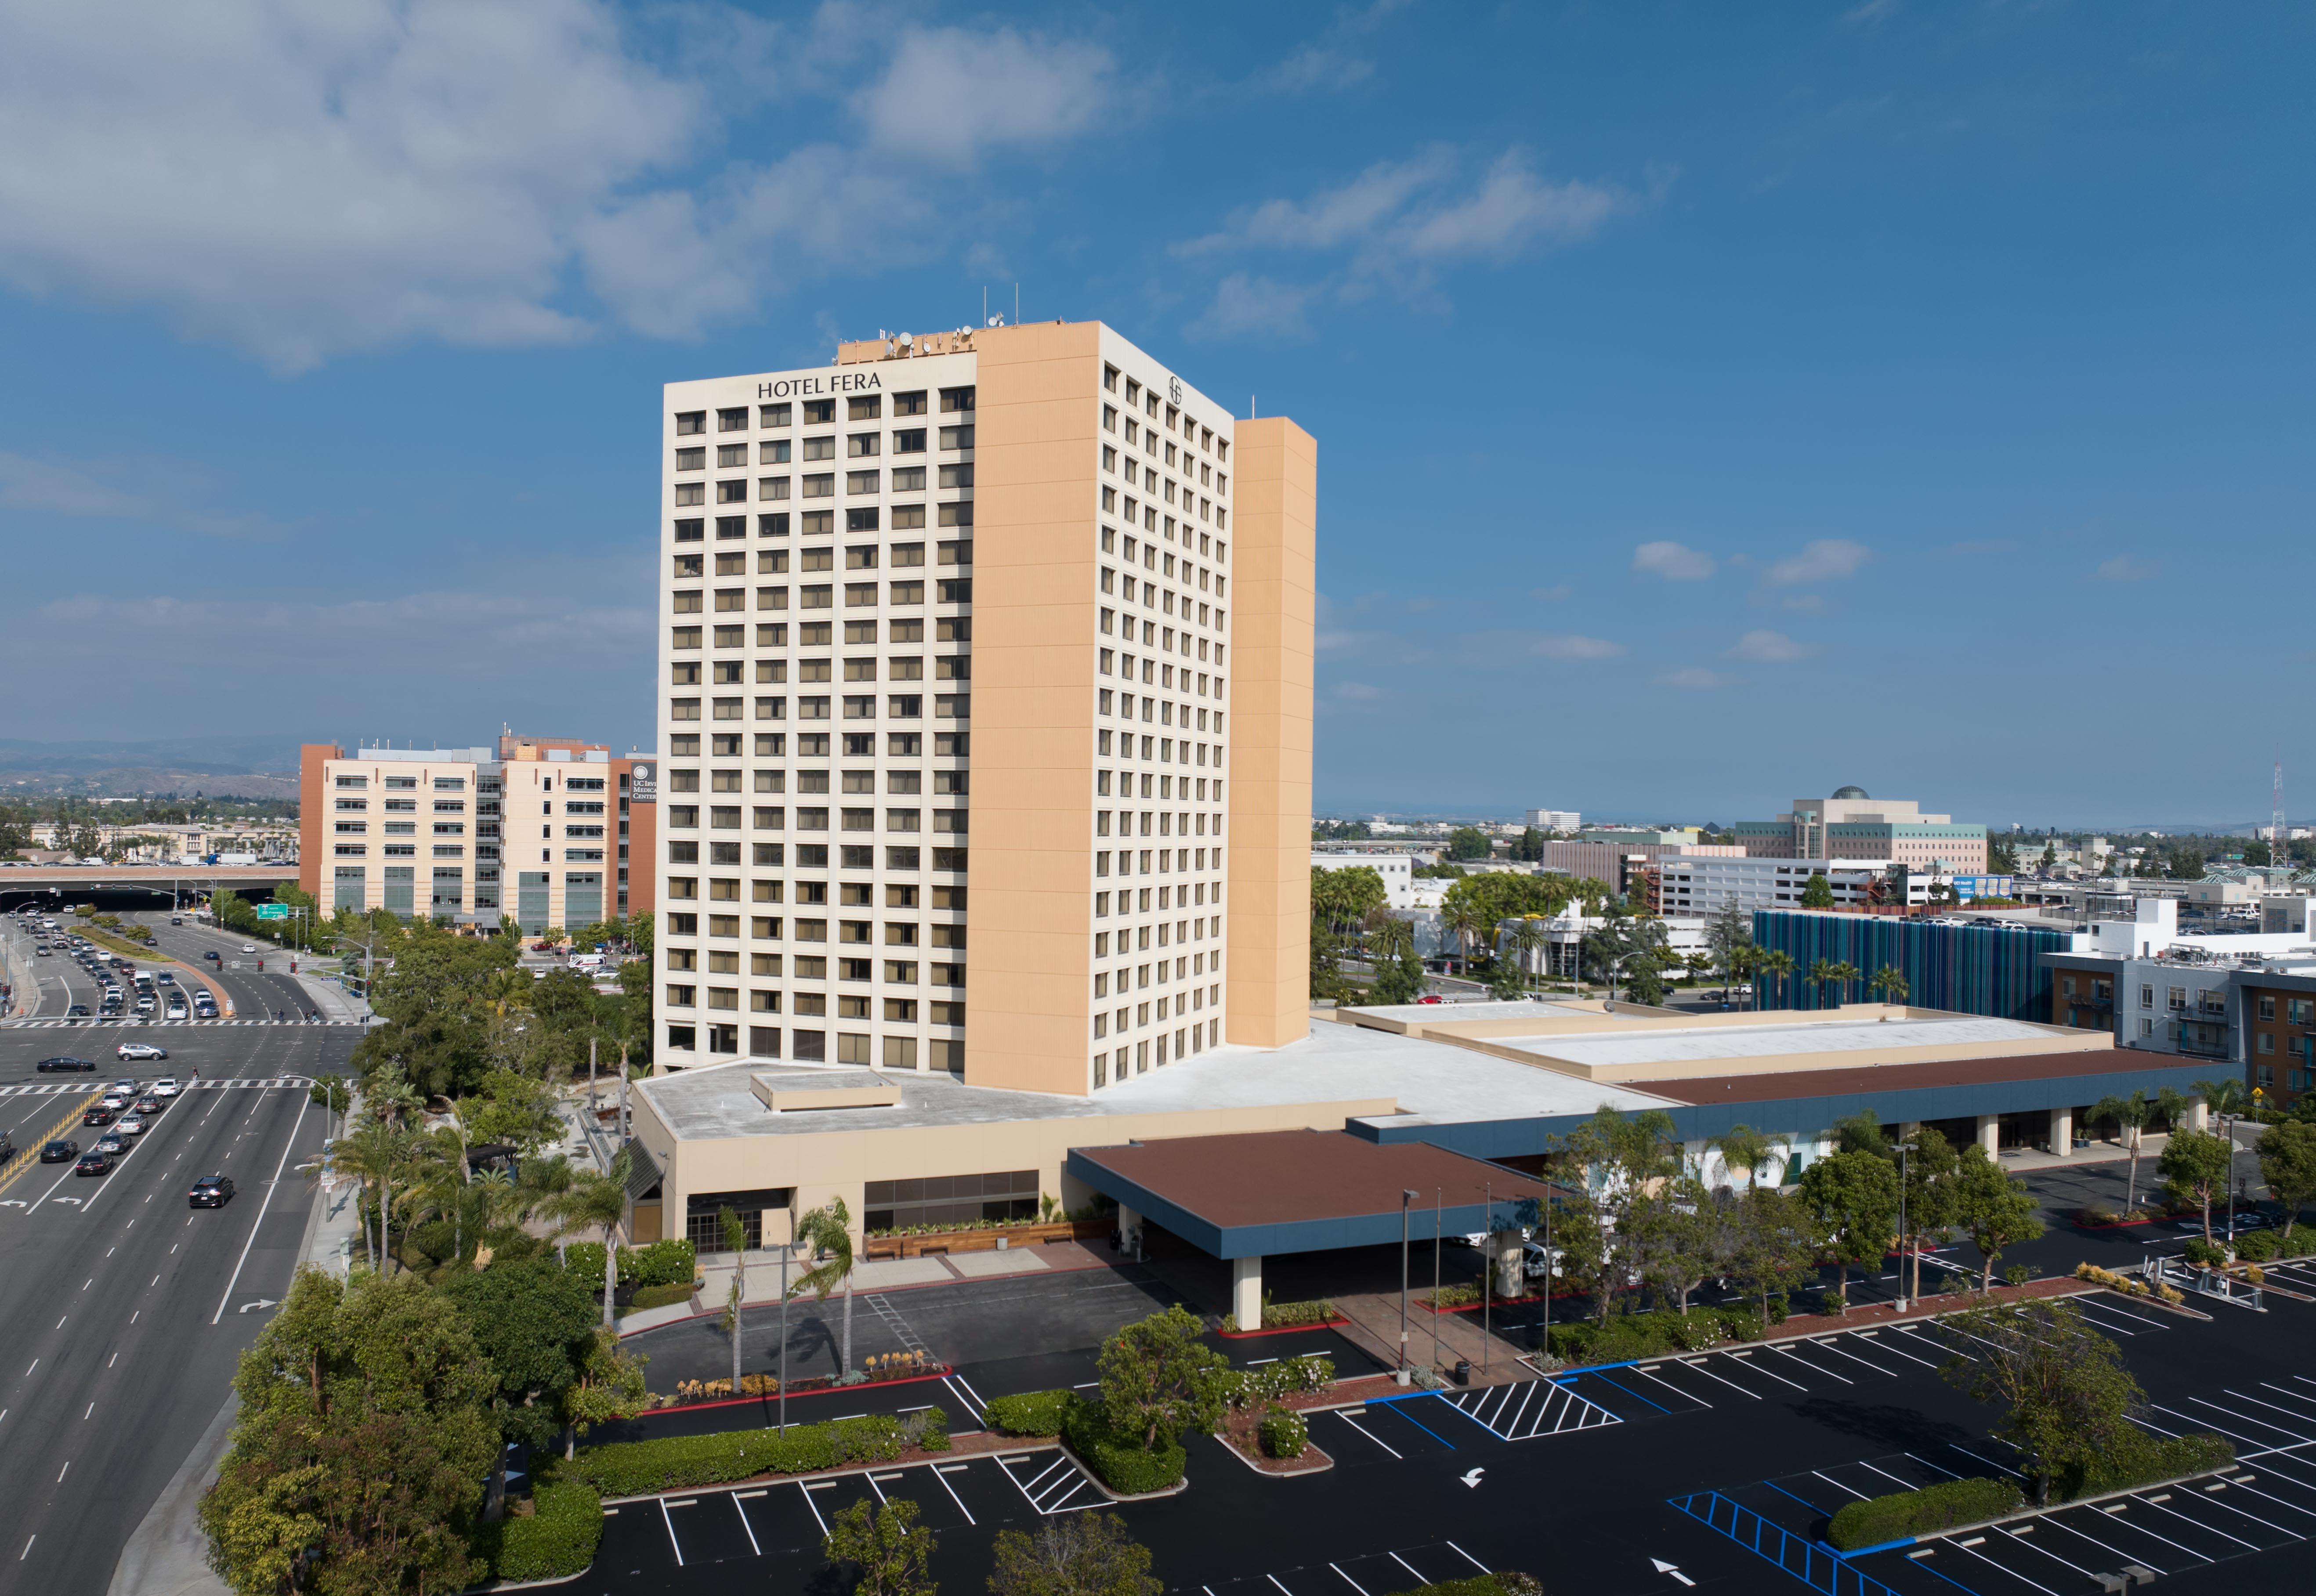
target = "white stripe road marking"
x: 940, y: 1472
x: 1709, y: 1374
x: 751, y: 1529
x: 1467, y: 1557
x: 809, y: 1502
x: 1362, y: 1429
x: 2013, y: 1573
x: 669, y: 1522
x: 1348, y: 1580
x: 280, y: 1163
x: 1813, y: 1367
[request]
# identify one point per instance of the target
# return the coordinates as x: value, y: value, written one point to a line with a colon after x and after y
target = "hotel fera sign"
x: 805, y: 387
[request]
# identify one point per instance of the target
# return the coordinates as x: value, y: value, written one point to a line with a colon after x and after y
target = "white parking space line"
x: 1348, y: 1580
x: 1894, y: 1352
x: 1813, y: 1367
x: 665, y: 1519
x: 809, y: 1502
x: 1828, y: 1343
x: 1362, y: 1429
x: 751, y: 1529
x: 2272, y: 1408
x: 1646, y: 1375
x: 2162, y: 1507
x: 1753, y: 1365
x: 1998, y: 1567
x: 1709, y: 1374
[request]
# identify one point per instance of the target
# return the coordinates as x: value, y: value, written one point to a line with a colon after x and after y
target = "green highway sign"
x: 273, y: 911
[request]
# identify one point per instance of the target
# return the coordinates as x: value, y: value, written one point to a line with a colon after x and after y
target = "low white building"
x: 1556, y: 820
x: 1397, y: 869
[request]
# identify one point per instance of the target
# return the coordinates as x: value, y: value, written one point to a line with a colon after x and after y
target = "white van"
x: 586, y: 961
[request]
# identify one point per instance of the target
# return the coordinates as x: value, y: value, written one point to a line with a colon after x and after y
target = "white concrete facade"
x: 1397, y: 871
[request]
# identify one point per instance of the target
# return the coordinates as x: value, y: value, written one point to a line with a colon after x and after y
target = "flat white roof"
x: 1754, y: 1042
x: 1336, y: 1063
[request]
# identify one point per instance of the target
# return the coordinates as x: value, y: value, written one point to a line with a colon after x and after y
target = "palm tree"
x: 1821, y: 975
x: 1890, y: 986
x: 735, y: 1241
x: 1743, y: 1147
x: 1776, y: 964
x: 2222, y: 1097
x: 598, y: 1201
x: 1463, y: 920
x: 2129, y: 1114
x: 1844, y: 976
x: 1743, y: 961
x: 826, y: 1234
x: 1530, y: 939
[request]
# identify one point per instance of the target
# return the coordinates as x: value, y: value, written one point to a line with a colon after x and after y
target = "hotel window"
x: 859, y: 446
x: 955, y: 400
x: 735, y: 420
x: 867, y: 408
x: 820, y: 449
x: 817, y: 410
x: 731, y: 454
x: 691, y: 459
x: 690, y: 421
x: 821, y: 486
x: 909, y: 404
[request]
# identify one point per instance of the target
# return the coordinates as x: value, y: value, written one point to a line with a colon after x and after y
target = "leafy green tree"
x: 1644, y: 981
x: 1159, y: 1380
x: 1776, y: 966
x: 890, y: 1550
x: 1996, y: 1211
x: 1341, y: 899
x: 2195, y: 1168
x: 1852, y: 1199
x: 514, y: 1111
x: 826, y: 1234
x: 1729, y: 937
x: 363, y: 1427
x: 1861, y: 1132
x: 1890, y: 986
x: 1530, y: 848
x: 1770, y: 1246
x: 1743, y: 1147
x: 2287, y: 1163
x: 1468, y: 842
x: 2225, y: 1095
x: 2066, y: 1395
x: 1617, y: 1159
x: 1928, y: 1176
x: 1326, y: 971
x: 1082, y: 1554
x: 2256, y: 852
x: 1817, y: 893
x: 610, y: 1386
x: 1399, y: 976
x: 536, y: 1323
x: 1681, y: 1237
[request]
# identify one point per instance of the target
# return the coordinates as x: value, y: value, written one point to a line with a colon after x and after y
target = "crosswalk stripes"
x: 58, y: 1023
x: 1528, y: 1408
x: 82, y: 1088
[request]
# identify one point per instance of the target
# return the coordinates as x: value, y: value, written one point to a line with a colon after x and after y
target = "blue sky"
x: 1716, y: 404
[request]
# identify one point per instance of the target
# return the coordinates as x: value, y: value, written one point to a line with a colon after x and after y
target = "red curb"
x: 1334, y: 1324
x: 684, y: 1407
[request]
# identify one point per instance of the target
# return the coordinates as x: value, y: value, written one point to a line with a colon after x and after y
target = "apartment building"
x: 985, y: 687
x: 449, y: 832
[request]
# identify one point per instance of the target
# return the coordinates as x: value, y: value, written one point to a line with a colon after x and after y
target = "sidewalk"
x: 332, y: 1002
x: 168, y: 1554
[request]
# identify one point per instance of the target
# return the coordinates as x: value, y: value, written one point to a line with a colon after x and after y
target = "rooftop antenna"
x: 2276, y: 843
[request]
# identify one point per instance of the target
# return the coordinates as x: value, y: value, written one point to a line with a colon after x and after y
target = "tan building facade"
x: 555, y: 833
x: 988, y: 651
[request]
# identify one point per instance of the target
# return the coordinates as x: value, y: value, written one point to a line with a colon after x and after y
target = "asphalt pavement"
x: 125, y: 1311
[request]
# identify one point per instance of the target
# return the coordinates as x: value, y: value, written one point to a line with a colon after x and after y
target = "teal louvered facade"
x: 1974, y: 969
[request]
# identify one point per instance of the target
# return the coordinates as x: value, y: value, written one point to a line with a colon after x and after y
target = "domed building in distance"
x: 1850, y: 825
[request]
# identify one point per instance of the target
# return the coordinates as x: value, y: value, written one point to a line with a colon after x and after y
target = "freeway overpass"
x: 135, y: 885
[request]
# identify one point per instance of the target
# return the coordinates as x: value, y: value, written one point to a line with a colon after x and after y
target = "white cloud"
x: 1358, y: 692
x: 952, y: 94
x: 158, y: 493
x: 1317, y: 67
x: 1399, y: 223
x: 1673, y: 562
x: 1769, y: 648
x: 2125, y: 568
x: 1872, y: 13
x: 302, y: 178
x: 1697, y: 680
x: 1248, y: 304
x: 1822, y: 560
x: 1569, y: 645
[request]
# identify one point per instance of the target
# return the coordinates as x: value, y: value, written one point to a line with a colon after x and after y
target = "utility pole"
x: 2276, y: 847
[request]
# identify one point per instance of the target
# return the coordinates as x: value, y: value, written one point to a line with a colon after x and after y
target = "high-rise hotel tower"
x: 984, y: 695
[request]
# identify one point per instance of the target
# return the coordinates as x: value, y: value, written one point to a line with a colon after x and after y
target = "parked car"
x: 140, y: 1050
x: 211, y: 1190
x: 95, y: 1161
x: 61, y: 1065
x: 60, y: 1151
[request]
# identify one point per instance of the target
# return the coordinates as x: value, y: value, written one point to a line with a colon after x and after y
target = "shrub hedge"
x: 1279, y: 1316
x: 677, y: 1462
x: 1285, y: 1432
x: 2199, y: 1251
x: 1647, y: 1335
x: 2258, y: 1247
x: 2150, y: 1461
x: 661, y: 1264
x: 1484, y: 1585
x: 558, y: 1538
x: 660, y: 1295
x: 1120, y: 1461
x: 1031, y: 1413
x: 1941, y: 1506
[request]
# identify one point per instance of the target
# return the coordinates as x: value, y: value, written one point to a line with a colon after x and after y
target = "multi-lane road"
x: 123, y: 1310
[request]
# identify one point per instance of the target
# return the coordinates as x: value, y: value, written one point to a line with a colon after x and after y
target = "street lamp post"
x: 1438, y: 1203
x: 1487, y: 1270
x: 2228, y: 1122
x: 1905, y: 1253
x: 1405, y: 1198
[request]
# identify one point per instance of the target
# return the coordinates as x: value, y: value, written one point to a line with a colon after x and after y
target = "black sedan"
x: 78, y: 1011
x: 62, y: 1066
x: 95, y: 1161
x: 60, y: 1152
x: 211, y: 1190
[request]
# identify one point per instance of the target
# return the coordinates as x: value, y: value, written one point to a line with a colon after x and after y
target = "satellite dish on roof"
x: 906, y: 339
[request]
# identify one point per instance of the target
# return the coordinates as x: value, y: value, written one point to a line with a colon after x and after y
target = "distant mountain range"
x: 219, y: 767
